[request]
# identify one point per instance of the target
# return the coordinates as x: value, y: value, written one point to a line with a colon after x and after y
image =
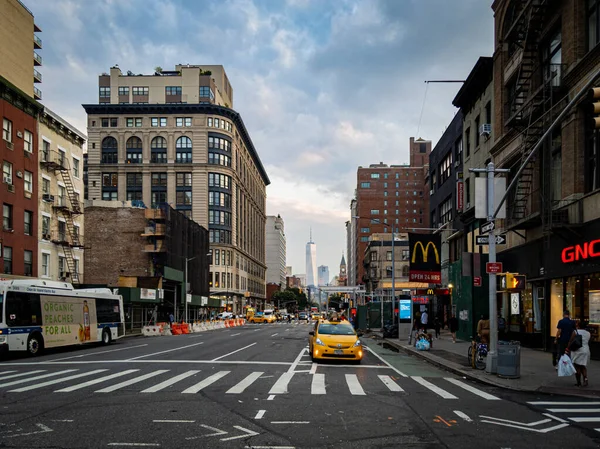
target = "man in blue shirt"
x: 565, y: 328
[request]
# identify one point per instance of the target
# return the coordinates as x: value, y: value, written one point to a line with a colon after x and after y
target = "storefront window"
x: 556, y: 304
x: 530, y: 313
x: 591, y: 304
x: 571, y: 303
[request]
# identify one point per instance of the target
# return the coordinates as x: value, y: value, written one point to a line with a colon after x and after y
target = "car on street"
x: 334, y: 339
x: 316, y: 316
x: 262, y: 317
x: 225, y: 316
x: 303, y: 316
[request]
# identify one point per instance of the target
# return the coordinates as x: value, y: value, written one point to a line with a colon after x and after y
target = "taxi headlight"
x: 319, y: 342
x: 358, y: 343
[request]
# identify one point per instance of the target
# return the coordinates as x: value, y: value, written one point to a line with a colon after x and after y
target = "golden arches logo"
x: 425, y: 251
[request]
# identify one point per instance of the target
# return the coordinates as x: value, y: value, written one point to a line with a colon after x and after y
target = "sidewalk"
x: 537, y: 372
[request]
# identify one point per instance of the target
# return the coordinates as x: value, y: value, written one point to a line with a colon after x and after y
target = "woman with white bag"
x: 580, y: 355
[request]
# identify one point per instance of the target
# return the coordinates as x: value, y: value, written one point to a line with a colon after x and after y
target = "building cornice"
x: 161, y: 108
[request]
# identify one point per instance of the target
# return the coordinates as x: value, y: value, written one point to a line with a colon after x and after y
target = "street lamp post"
x: 187, y: 260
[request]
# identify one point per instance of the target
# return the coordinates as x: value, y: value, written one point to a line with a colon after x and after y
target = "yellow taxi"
x: 262, y: 317
x: 334, y: 339
x: 315, y: 316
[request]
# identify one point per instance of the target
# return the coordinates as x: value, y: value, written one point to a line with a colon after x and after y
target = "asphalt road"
x: 255, y: 387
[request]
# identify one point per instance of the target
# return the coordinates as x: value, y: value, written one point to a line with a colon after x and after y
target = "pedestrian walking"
x: 424, y: 319
x: 453, y: 327
x: 171, y: 319
x: 565, y: 329
x: 437, y: 326
x: 581, y: 356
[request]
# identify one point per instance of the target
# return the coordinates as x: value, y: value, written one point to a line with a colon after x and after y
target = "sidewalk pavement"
x: 537, y: 373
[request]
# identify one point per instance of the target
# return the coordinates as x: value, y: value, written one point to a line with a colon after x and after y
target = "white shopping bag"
x: 565, y: 366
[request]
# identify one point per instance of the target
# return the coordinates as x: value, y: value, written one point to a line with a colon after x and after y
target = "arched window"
x: 405, y: 271
x: 158, y: 143
x: 183, y: 150
x: 158, y: 150
x: 134, y: 150
x: 110, y: 150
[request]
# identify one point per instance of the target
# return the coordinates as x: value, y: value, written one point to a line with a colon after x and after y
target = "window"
x: 219, y: 159
x: 477, y: 121
x: 110, y: 180
x: 374, y: 175
x: 385, y: 194
x: 219, y: 199
x: 364, y: 238
x: 159, y: 180
x: 61, y: 157
x: 446, y: 211
x: 28, y: 222
x: 219, y: 180
x: 158, y: 121
x: 7, y: 255
x: 135, y: 195
x: 45, y: 150
x: 45, y: 185
x: 7, y: 172
x: 209, y: 122
x: 105, y: 92
x: 109, y: 150
x: 374, y: 211
x: 556, y: 143
x: 219, y: 144
x: 45, y: 264
x: 61, y: 265
x: 183, y: 150
x: 114, y: 122
x: 388, y: 256
x: 124, y: 90
x: 133, y: 121
x: 468, y: 141
x: 365, y: 230
x: 134, y: 179
x: 140, y: 90
x: 405, y: 254
x: 158, y: 198
x: 552, y: 59
x: 172, y: 90
x: 183, y: 121
x: 28, y: 181
x: 445, y: 169
x: 593, y: 23
x: 458, y: 149
x: 104, y: 122
x: 75, y: 167
x: 488, y: 113
x: 206, y: 92
x: 28, y: 262
x: 7, y: 217
x: 28, y: 141
x: 45, y: 225
x: 109, y: 196
x: 134, y: 150
x: 467, y: 191
x: 184, y: 180
x: 184, y: 198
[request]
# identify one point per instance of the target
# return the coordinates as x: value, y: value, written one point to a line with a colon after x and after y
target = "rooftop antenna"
x: 310, y: 239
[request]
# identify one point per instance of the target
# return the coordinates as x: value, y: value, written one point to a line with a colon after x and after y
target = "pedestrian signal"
x: 595, y: 106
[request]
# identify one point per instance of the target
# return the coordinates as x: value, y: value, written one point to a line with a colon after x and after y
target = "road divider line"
x: 96, y: 381
x: 472, y: 389
x: 271, y: 397
x: 437, y: 390
x: 388, y: 382
x: 586, y: 419
x: 135, y: 380
x: 169, y: 382
x: 56, y: 381
x: 563, y: 403
x: 163, y: 352
x: 354, y: 385
x: 463, y: 415
x: 32, y: 379
x: 245, y: 383
x: 385, y: 361
x: 295, y: 364
x: 235, y: 335
x: 233, y: 352
x: 281, y: 386
x: 276, y: 333
x: 88, y: 354
x: 135, y: 444
x: 187, y: 421
x: 206, y: 382
x: 574, y: 410
x: 260, y: 414
x: 289, y: 422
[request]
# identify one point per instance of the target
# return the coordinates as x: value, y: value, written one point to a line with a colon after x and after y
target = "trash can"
x: 509, y: 359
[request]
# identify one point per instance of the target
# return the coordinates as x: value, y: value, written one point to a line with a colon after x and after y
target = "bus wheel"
x: 35, y: 344
x: 106, y: 338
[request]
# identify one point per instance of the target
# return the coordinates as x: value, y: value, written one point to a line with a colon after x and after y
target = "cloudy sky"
x: 323, y: 85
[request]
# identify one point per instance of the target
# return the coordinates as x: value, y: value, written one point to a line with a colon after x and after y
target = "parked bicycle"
x: 477, y: 354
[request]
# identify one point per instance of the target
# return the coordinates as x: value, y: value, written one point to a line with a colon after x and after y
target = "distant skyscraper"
x: 311, y: 262
x: 275, y: 248
x: 323, y: 275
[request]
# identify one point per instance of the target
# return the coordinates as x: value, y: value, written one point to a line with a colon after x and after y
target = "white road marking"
x: 174, y: 420
x: 463, y: 415
x: 233, y: 352
x: 563, y: 403
x: 235, y: 335
x: 435, y: 389
x: 206, y: 382
x: 354, y: 385
x: 12, y: 376
x: 276, y: 333
x: 318, y: 384
x: 597, y: 430
x: 472, y: 389
x: 56, y: 381
x: 87, y: 354
x: 96, y: 381
x: 135, y: 380
x: 269, y: 447
x: 158, y: 361
x: 527, y: 426
x: 290, y: 422
x: 31, y: 379
x: 313, y: 368
x: 247, y: 433
x: 287, y: 330
x: 7, y: 372
x: 271, y: 397
x: 260, y: 414
x: 384, y: 361
x: 531, y: 424
x: 388, y: 382
x: 554, y: 417
x: 586, y: 419
x: 135, y: 444
x: 280, y: 387
x: 300, y: 355
x: 355, y: 366
x: 163, y: 352
x: 62, y: 420
x: 574, y: 410
x: 245, y: 383
x: 171, y: 381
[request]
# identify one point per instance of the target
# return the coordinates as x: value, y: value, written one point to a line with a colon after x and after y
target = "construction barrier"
x: 151, y: 331
x: 176, y: 329
x: 185, y: 328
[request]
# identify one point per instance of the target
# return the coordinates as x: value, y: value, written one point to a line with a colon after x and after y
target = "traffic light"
x: 519, y: 281
x: 595, y: 106
x: 510, y: 280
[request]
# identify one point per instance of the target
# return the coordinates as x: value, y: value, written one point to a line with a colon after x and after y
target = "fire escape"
x: 534, y: 100
x: 68, y: 207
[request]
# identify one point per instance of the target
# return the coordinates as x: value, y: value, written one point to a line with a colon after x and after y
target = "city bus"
x: 38, y: 314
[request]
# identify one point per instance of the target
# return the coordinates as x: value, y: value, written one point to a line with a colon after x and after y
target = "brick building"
x: 390, y: 199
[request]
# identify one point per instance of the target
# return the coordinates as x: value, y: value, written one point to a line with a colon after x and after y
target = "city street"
x: 255, y: 386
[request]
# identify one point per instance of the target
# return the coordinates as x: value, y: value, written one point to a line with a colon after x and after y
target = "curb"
x: 456, y: 369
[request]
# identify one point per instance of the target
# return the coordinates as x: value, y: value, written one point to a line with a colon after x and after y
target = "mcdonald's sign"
x: 425, y: 263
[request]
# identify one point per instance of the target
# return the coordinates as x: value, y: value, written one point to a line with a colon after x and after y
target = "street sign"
x: 493, y: 267
x: 477, y: 281
x: 487, y: 227
x: 484, y: 239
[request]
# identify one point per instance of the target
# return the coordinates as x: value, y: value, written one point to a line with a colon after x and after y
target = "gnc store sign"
x: 581, y: 252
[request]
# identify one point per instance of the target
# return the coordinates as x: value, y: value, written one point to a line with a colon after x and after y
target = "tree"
x: 335, y: 300
x: 158, y: 69
x: 284, y: 298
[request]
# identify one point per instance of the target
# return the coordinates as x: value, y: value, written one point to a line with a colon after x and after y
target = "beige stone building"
x: 172, y: 137
x: 19, y: 47
x: 60, y: 187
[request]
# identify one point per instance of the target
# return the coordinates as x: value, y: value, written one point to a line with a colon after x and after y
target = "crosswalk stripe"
x: 280, y: 387
x: 32, y: 379
x: 354, y: 385
x: 472, y: 389
x: 12, y: 376
x: 318, y: 384
x: 562, y: 403
x: 169, y: 382
x: 245, y: 383
x: 206, y: 382
x: 135, y: 380
x: 574, y: 410
x: 56, y: 381
x: 95, y: 381
x: 435, y: 389
x: 388, y: 382
x: 7, y: 372
x: 586, y: 419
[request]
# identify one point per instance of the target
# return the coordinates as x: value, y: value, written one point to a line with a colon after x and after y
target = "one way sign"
x: 483, y: 239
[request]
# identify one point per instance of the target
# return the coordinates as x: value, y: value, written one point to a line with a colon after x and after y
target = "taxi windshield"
x: 335, y: 329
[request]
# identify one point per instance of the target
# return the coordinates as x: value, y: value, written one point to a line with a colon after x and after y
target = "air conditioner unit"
x: 65, y: 274
x: 485, y: 129
x: 27, y: 154
x: 48, y: 197
x: 19, y: 134
x: 7, y: 180
x: 9, y: 145
x: 46, y: 236
x: 11, y: 188
x: 19, y: 174
x: 7, y: 229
